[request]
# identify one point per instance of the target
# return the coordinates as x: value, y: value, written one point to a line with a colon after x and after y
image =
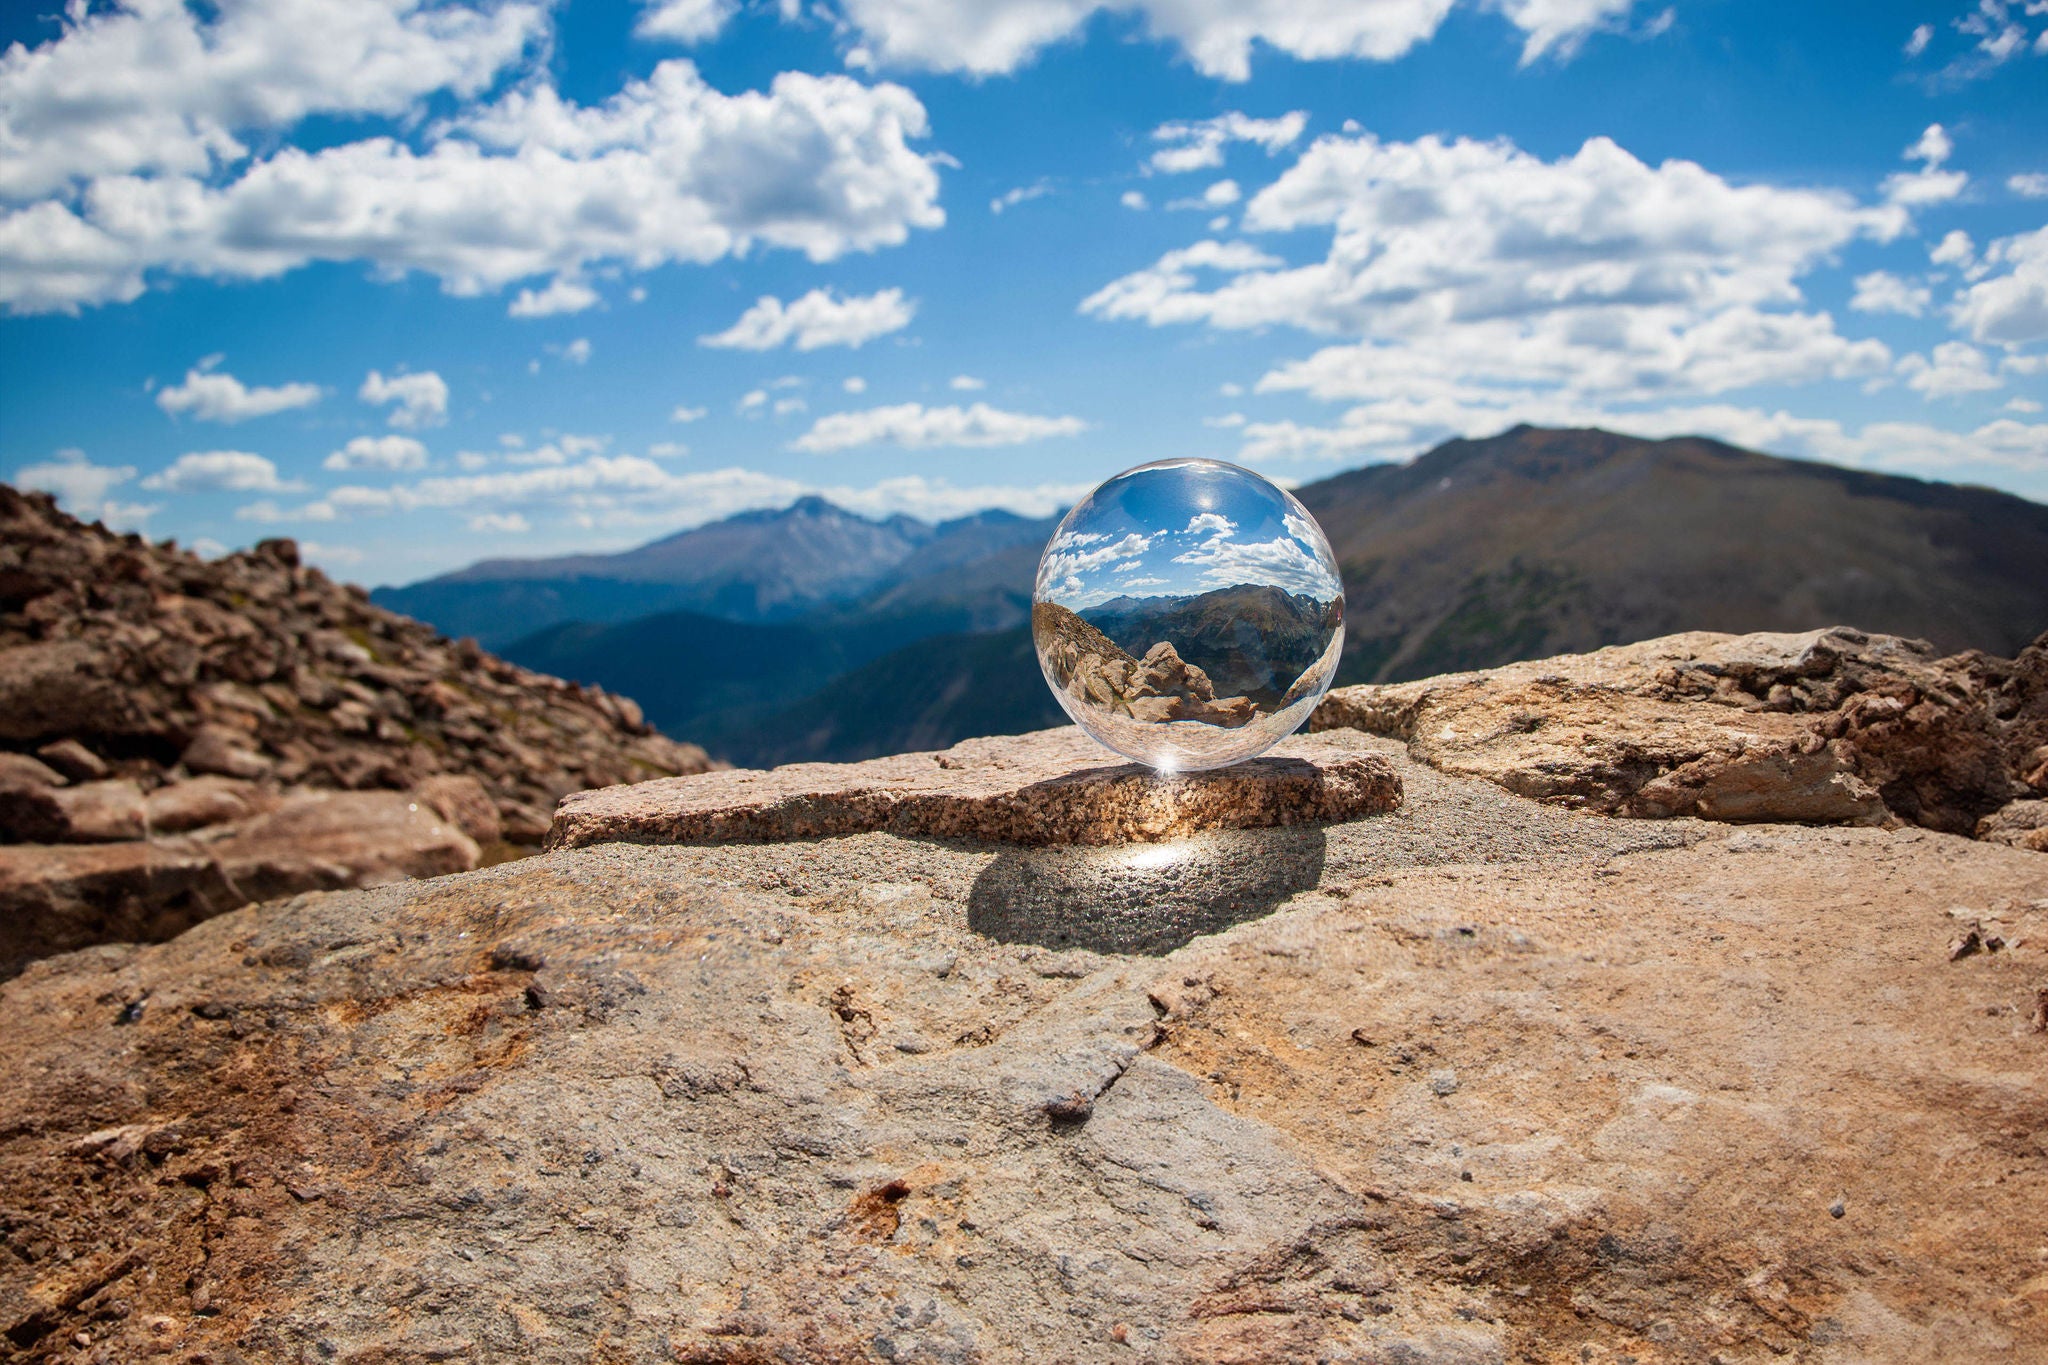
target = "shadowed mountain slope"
x: 1539, y: 542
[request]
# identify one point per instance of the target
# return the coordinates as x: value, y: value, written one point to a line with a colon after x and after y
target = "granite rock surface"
x: 1476, y: 1079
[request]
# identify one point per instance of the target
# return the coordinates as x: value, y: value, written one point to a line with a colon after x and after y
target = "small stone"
x: 1837, y: 1209
x: 75, y: 761
x: 1443, y: 1082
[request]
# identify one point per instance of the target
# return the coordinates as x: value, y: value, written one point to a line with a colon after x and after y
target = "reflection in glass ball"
x: 1188, y: 614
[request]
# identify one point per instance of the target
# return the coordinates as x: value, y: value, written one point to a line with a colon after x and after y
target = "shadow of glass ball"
x: 1143, y: 898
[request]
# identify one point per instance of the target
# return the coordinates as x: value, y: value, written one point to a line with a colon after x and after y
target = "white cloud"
x: 1883, y: 292
x: 1930, y: 184
x: 81, y: 488
x: 379, y: 452
x: 215, y: 396
x: 1916, y: 42
x: 819, y: 318
x: 684, y: 21
x: 685, y: 413
x: 990, y: 37
x: 1199, y: 145
x: 219, y: 471
x: 668, y: 170
x: 1021, y: 194
x: 1226, y: 422
x: 753, y: 401
x: 853, y: 383
x: 1135, y: 199
x: 917, y: 427
x: 1954, y: 249
x: 1560, y: 26
x: 966, y: 383
x: 667, y: 450
x: 421, y: 397
x: 563, y: 295
x: 1465, y: 265
x: 785, y: 406
x: 1955, y: 368
x: 152, y: 86
x: 575, y: 352
x: 500, y: 523
x: 2010, y: 306
x: 2030, y: 185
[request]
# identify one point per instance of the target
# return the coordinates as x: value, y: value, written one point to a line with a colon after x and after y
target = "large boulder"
x: 1475, y: 1079
x: 1829, y: 726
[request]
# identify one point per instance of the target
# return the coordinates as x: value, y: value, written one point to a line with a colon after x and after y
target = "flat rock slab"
x: 1048, y: 788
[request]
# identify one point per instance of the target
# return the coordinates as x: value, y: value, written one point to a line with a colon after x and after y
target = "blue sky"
x: 418, y: 284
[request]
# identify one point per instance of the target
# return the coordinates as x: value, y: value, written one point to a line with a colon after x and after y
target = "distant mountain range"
x: 814, y: 633
x: 754, y: 567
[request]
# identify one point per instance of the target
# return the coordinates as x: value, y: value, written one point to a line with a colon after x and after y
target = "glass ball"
x: 1188, y: 614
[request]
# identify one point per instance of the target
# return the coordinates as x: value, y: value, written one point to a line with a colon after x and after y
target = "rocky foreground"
x: 178, y: 737
x: 1424, y: 1069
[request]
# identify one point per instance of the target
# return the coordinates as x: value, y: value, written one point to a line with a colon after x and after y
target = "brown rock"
x: 1053, y: 787
x: 19, y: 770
x: 463, y: 802
x: 201, y: 801
x: 57, y: 898
x: 75, y: 761
x: 223, y: 751
x: 92, y: 813
x: 2023, y: 824
x: 1829, y: 726
x: 58, y: 689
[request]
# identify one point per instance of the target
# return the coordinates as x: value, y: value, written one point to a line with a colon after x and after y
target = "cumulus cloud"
x: 1918, y: 39
x: 561, y: 296
x: 213, y: 395
x: 2029, y: 185
x: 1930, y: 184
x: 684, y: 21
x: 421, y: 398
x: 966, y: 383
x: 379, y: 452
x: 2010, y: 303
x: 1134, y: 199
x: 819, y: 318
x: 161, y: 86
x: 1954, y: 368
x: 500, y: 523
x: 1198, y: 145
x: 219, y: 471
x: 1459, y: 266
x: 1883, y: 292
x: 683, y: 412
x: 82, y: 488
x: 853, y: 383
x: 668, y: 170
x: 917, y: 427
x: 991, y: 37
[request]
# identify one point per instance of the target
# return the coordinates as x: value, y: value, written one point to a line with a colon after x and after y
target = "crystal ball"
x: 1188, y: 614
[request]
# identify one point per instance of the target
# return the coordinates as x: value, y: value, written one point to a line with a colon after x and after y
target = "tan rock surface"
x: 1477, y: 1080
x: 1052, y: 787
x: 1828, y: 726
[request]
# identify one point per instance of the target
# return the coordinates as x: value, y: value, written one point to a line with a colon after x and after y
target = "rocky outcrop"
x: 147, y: 696
x: 1049, y: 788
x: 1832, y: 726
x: 1477, y: 1079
